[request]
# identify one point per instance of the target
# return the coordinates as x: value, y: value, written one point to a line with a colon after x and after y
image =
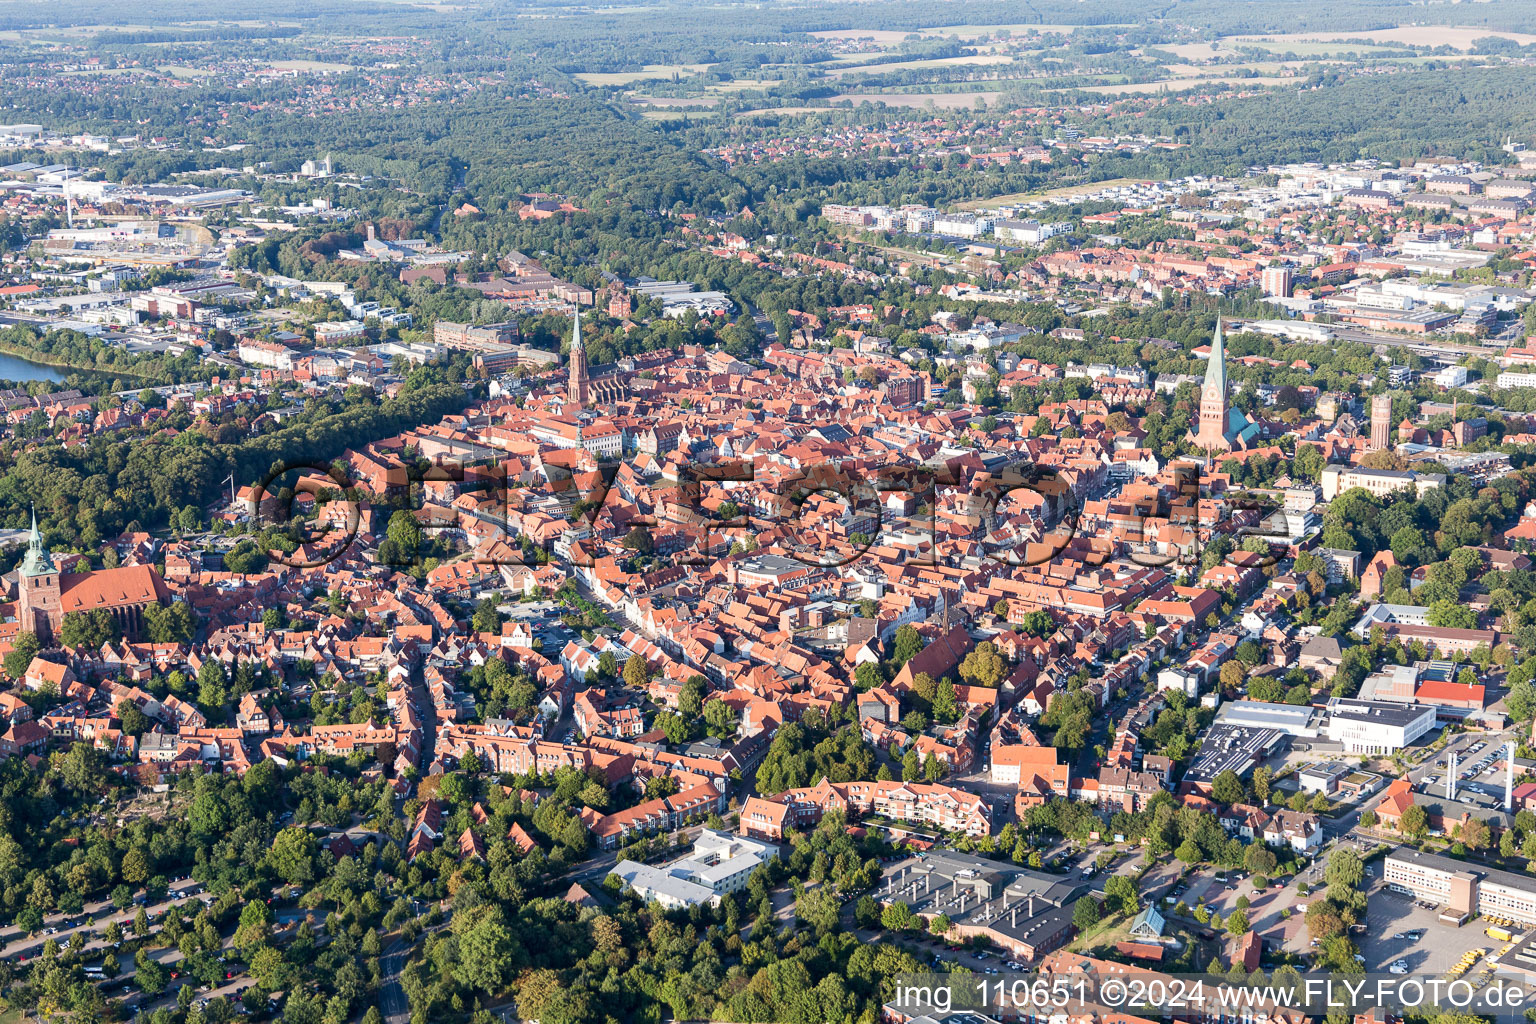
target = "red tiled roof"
x: 111, y: 588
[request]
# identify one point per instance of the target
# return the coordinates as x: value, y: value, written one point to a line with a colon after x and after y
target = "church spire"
x: 578, y: 389
x: 1216, y: 366
x: 37, y: 561
x: 1214, y: 428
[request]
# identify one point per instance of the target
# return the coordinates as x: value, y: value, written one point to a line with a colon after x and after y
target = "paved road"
x: 14, y: 943
x: 392, y: 1002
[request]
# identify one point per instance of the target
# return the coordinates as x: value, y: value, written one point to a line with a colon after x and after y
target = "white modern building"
x: 1030, y: 231
x: 1379, y: 482
x: 1452, y: 377
x: 1376, y: 727
x: 332, y: 332
x: 1517, y: 379
x: 720, y: 863
x: 1179, y: 679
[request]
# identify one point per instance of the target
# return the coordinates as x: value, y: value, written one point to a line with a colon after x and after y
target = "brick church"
x: 1219, y: 427
x: 44, y: 595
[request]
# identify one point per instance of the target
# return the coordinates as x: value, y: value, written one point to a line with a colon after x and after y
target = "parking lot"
x: 1392, y: 915
x: 1480, y: 769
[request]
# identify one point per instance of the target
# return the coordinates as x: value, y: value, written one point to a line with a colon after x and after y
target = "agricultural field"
x: 321, y: 66
x: 183, y: 71
x: 922, y: 62
x: 1177, y: 84
x: 1460, y: 37
x: 603, y: 78
x: 666, y: 102
x: 890, y: 38
x: 940, y: 100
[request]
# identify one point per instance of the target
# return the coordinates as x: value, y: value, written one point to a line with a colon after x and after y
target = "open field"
x: 879, y: 36
x: 1460, y: 37
x: 649, y: 71
x: 1315, y: 47
x: 973, y: 31
x: 183, y: 71
x: 742, y: 85
x: 668, y: 102
x: 941, y: 100
x: 892, y: 37
x: 784, y: 111
x: 310, y: 65
x: 923, y: 62
x: 1066, y: 192
x: 1176, y: 84
x: 1228, y: 48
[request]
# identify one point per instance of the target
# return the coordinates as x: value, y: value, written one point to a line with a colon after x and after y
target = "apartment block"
x: 1460, y: 888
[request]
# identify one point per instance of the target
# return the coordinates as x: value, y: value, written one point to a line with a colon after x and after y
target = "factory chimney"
x: 1509, y: 776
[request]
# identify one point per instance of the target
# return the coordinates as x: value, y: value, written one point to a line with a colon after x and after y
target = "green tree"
x: 1038, y: 623
x: 1260, y: 782
x: 1259, y: 859
x: 24, y: 647
x: 721, y: 719
x: 933, y: 768
x: 486, y: 618
x: 148, y: 975
x: 255, y: 929
x: 984, y: 666
x: 402, y: 544
x: 1086, y: 913
x: 896, y: 917
x: 488, y: 952
x: 675, y: 727
x: 133, y: 721
x: 212, y: 692
x: 907, y: 642
x: 1122, y: 890
x: 1447, y: 614
x: 1226, y: 788
x: 292, y: 855
x: 88, y: 630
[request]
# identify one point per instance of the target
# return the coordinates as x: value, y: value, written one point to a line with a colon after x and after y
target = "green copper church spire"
x: 1216, y: 366
x: 38, y: 561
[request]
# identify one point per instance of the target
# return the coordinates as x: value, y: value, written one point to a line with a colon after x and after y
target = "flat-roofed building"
x: 720, y: 864
x: 1291, y: 719
x: 1376, y: 727
x: 1462, y: 888
x: 1379, y: 482
x: 1026, y: 912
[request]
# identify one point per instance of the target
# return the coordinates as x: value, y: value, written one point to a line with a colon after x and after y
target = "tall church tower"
x: 1215, y: 411
x: 38, y: 590
x: 578, y: 390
